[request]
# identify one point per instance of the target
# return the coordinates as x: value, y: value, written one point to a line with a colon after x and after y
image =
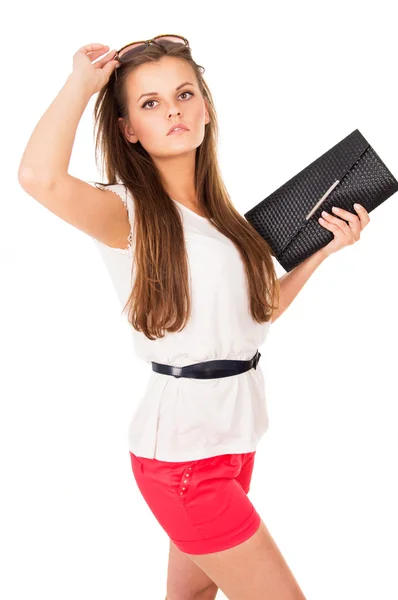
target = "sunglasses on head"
x: 127, y: 52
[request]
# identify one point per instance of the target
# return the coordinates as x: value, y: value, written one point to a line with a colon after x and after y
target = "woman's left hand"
x: 345, y: 234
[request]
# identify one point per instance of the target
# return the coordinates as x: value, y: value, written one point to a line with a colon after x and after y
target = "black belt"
x: 209, y: 369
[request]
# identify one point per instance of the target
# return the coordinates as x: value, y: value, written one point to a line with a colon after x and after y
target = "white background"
x: 289, y: 81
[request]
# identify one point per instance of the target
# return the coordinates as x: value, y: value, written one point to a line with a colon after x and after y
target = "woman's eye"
x: 150, y: 101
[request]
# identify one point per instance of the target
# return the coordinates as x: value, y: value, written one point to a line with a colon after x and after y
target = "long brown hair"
x: 160, y: 297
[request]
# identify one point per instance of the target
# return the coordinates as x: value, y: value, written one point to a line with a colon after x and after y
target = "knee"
x: 208, y: 593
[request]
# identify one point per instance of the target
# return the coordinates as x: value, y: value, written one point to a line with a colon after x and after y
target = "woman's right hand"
x: 95, y: 76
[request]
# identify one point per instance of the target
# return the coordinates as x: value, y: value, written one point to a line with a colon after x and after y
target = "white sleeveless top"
x: 182, y: 419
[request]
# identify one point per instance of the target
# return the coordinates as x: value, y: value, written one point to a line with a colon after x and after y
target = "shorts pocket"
x: 181, y: 480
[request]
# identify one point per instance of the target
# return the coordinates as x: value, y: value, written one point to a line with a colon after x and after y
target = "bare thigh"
x: 253, y: 570
x: 185, y: 580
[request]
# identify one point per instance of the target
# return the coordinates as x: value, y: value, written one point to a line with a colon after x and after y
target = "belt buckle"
x: 256, y: 359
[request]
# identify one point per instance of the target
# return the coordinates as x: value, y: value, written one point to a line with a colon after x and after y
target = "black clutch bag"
x: 349, y: 172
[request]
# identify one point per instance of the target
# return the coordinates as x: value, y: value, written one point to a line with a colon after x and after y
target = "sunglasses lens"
x: 131, y: 50
x: 170, y: 38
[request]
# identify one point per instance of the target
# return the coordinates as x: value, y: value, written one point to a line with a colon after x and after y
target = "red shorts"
x: 201, y: 504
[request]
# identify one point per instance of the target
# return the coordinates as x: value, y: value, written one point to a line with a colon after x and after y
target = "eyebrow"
x: 156, y: 93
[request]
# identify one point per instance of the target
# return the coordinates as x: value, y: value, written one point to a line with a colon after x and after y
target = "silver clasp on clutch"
x: 326, y: 194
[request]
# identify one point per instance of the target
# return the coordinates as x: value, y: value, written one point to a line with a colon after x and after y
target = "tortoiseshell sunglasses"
x: 129, y: 50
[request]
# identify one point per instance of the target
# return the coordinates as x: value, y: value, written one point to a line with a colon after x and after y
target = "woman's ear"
x: 127, y: 131
x: 207, y: 116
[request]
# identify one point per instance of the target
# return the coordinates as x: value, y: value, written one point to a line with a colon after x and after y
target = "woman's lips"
x: 178, y: 131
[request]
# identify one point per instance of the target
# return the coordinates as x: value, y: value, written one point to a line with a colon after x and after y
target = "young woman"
x: 200, y: 290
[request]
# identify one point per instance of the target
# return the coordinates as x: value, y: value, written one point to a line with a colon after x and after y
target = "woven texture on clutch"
x: 351, y: 171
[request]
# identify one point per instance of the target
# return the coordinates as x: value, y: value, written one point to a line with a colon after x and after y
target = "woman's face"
x: 151, y: 116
